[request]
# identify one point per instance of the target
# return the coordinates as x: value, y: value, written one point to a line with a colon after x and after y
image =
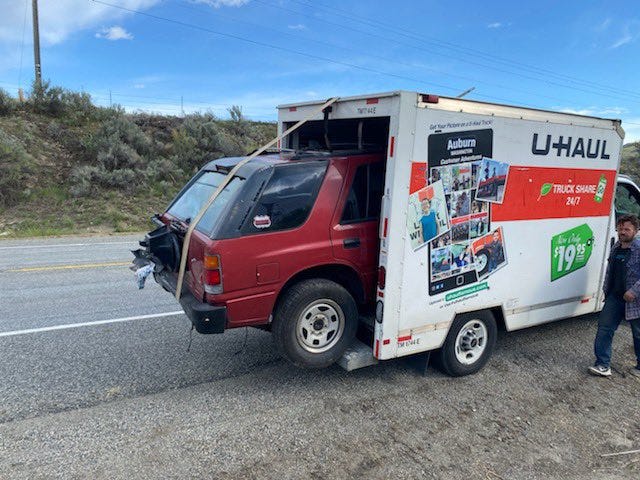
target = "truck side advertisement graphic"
x: 456, y: 196
x: 545, y: 192
x: 471, y: 181
x: 570, y: 251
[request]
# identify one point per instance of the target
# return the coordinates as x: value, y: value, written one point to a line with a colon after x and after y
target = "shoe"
x: 635, y: 371
x: 600, y: 371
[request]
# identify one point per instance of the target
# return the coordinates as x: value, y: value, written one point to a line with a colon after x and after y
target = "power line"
x: 317, y: 57
x: 350, y: 28
x: 288, y: 50
x: 359, y: 52
x: 458, y: 48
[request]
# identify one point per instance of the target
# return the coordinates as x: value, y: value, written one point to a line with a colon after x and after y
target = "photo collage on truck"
x: 451, y: 215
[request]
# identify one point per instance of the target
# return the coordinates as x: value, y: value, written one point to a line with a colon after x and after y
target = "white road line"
x: 15, y: 247
x: 88, y: 324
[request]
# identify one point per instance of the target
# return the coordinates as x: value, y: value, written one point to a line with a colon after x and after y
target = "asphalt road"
x: 127, y: 400
x: 62, y: 282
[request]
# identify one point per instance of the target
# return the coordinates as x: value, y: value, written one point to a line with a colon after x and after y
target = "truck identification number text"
x: 366, y: 111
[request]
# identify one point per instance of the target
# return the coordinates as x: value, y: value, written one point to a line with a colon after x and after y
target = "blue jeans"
x: 610, y: 317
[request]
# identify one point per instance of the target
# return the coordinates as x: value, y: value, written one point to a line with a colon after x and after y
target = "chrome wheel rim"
x: 471, y: 342
x: 320, y: 326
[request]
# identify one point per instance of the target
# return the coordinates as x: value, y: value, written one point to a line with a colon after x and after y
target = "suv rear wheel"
x: 314, y: 323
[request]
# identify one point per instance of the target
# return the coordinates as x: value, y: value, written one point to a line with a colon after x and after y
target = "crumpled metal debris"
x: 142, y: 274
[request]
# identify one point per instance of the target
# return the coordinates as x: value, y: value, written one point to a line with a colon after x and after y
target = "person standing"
x: 622, y: 296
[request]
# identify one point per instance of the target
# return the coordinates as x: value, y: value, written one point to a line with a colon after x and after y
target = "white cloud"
x: 631, y: 128
x: 299, y: 26
x: 626, y: 38
x: 147, y: 79
x: 608, y: 112
x: 630, y: 33
x: 61, y: 18
x: 603, y: 26
x: 222, y: 3
x: 631, y: 125
x: 114, y: 33
x: 494, y: 25
x: 139, y: 86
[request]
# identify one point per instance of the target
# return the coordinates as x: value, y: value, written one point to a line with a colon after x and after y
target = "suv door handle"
x: 351, y: 243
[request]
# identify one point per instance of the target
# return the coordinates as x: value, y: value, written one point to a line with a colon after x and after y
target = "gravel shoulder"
x: 533, y: 412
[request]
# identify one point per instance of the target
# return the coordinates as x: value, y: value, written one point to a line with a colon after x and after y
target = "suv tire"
x: 314, y: 323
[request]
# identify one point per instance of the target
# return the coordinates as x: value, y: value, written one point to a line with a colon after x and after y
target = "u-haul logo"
x: 570, y: 146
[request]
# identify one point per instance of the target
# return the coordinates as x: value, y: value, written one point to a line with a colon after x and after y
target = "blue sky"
x: 579, y: 56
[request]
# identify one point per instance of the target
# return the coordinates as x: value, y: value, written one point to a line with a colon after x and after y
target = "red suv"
x: 291, y: 245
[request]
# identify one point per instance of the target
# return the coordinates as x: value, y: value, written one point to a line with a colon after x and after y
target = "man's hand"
x: 629, y: 296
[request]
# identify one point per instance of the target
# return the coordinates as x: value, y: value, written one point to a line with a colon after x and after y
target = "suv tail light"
x: 212, y: 274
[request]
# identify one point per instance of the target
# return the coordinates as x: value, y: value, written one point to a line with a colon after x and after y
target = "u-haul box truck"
x: 490, y: 214
x: 414, y: 222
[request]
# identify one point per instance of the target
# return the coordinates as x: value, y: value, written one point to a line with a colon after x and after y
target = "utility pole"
x: 36, y: 44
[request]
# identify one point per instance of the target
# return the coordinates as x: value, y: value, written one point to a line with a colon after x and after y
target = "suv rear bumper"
x: 204, y: 317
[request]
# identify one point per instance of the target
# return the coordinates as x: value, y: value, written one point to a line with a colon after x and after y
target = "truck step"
x: 358, y: 355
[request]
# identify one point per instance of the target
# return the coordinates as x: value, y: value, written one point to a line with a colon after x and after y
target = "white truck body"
x: 520, y: 215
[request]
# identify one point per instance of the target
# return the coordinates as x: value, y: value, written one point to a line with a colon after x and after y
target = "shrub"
x: 202, y: 138
x: 87, y: 179
x: 163, y: 170
x: 118, y: 130
x: 119, y: 155
x: 84, y: 180
x: 8, y: 104
x: 46, y: 99
x: 122, y: 179
x: 55, y: 130
x: 77, y: 107
x: 16, y: 166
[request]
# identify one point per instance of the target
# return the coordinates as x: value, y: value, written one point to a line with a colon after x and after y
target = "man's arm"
x: 633, y: 293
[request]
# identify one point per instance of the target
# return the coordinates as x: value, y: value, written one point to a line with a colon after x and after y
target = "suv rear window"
x: 287, y: 199
x: 365, y: 196
x: 187, y: 205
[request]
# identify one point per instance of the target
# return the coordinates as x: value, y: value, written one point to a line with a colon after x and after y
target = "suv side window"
x: 365, y: 196
x: 287, y: 199
x: 626, y: 201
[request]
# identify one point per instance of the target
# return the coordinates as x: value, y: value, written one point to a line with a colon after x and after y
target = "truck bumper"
x: 204, y: 317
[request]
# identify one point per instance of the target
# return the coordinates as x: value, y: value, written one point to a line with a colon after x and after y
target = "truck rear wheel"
x: 469, y: 344
x: 314, y: 323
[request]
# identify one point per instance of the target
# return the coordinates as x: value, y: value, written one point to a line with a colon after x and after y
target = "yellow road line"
x: 70, y: 267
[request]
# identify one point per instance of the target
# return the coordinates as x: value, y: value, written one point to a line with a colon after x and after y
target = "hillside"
x: 631, y: 161
x: 68, y: 166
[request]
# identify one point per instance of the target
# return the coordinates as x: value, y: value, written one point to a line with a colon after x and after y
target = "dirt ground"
x: 532, y: 413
